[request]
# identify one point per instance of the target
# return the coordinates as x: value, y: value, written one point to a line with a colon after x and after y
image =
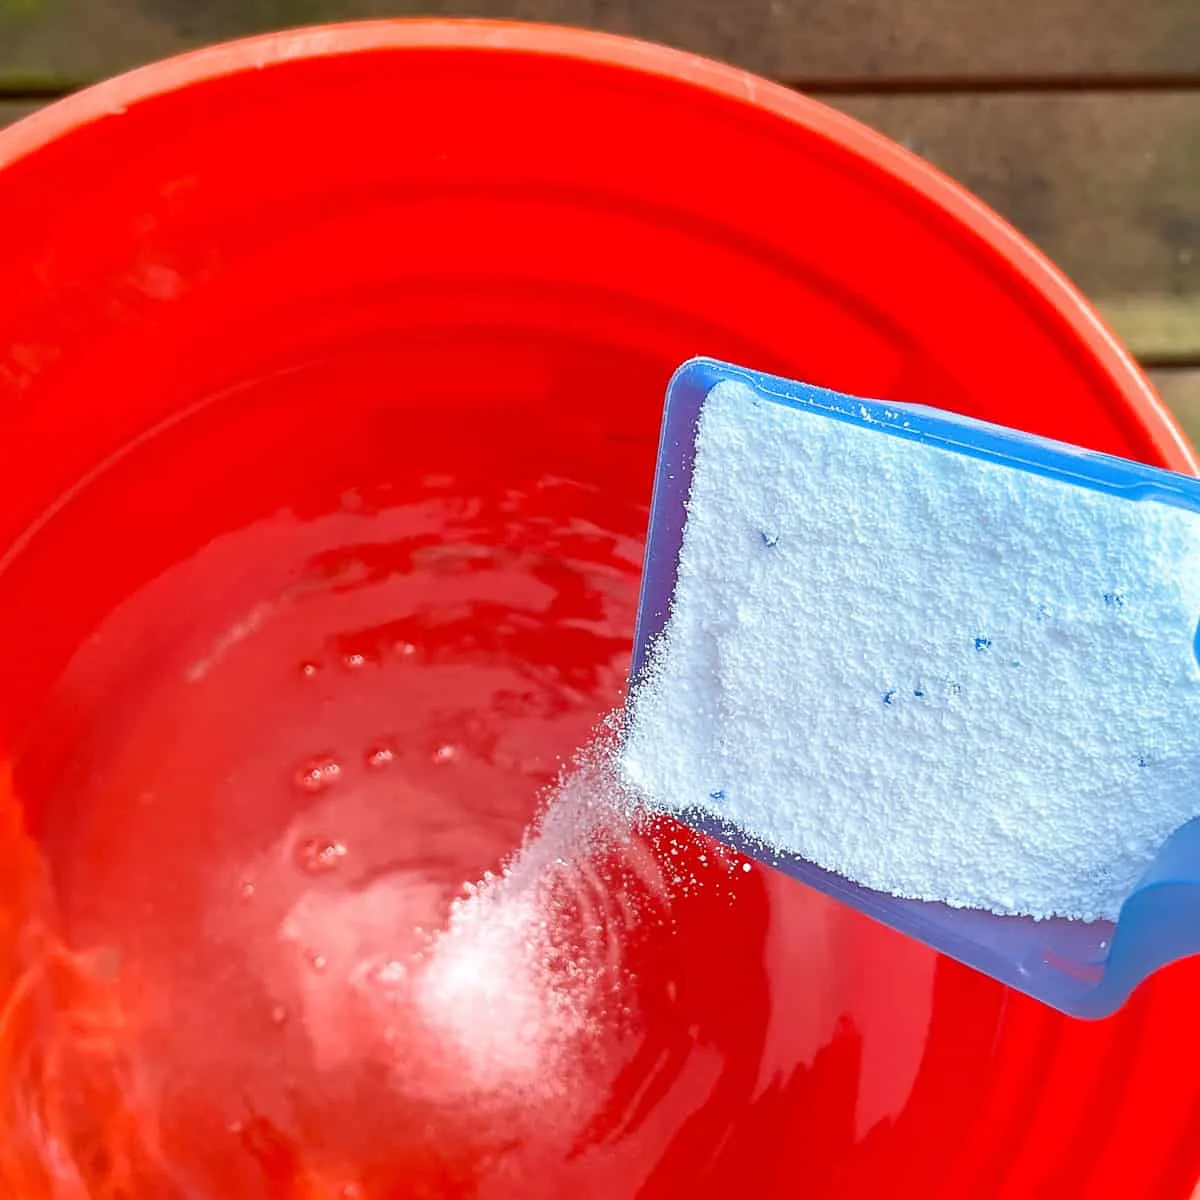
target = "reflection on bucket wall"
x: 327, y: 438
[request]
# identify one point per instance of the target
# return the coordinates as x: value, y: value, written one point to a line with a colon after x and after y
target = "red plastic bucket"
x: 381, y: 289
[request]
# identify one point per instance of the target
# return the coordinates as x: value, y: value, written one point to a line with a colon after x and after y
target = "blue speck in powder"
x: 1143, y: 761
x: 1114, y: 599
x: 1016, y: 663
x: 889, y: 696
x: 982, y: 644
x: 920, y: 695
x: 770, y: 540
x: 718, y: 795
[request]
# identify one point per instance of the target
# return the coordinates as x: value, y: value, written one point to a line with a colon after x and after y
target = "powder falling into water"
x: 528, y: 973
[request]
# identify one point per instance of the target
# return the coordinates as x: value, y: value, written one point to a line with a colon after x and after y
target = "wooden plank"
x: 802, y: 41
x: 1107, y: 184
x: 1165, y: 330
x: 1180, y: 390
x: 11, y: 111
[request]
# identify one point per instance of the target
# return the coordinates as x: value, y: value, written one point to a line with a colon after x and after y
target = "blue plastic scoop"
x: 1083, y: 968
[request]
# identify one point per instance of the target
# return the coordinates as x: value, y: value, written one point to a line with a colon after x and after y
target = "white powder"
x: 942, y: 678
x: 519, y: 986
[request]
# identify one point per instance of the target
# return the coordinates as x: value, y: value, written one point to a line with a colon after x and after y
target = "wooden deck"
x: 1078, y: 120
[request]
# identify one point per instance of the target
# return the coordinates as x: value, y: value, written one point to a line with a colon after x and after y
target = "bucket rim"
x: 969, y: 214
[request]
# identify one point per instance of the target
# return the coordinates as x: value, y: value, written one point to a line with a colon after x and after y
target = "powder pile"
x: 939, y: 677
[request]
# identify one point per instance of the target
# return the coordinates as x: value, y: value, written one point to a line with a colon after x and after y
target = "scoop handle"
x: 1160, y: 922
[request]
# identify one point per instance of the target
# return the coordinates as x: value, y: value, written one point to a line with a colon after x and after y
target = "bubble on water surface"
x: 318, y: 855
x: 317, y: 774
x: 378, y: 757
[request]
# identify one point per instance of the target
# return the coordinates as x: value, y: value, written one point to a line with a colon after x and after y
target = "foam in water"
x: 940, y: 677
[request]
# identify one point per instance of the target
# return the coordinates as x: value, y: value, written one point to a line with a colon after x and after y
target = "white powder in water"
x: 939, y: 677
x: 519, y: 985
